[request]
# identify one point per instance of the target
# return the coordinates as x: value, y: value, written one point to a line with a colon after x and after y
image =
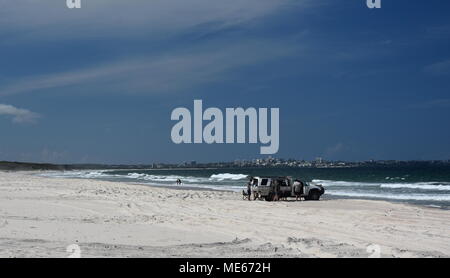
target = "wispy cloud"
x: 440, y: 68
x: 334, y: 150
x: 438, y: 32
x: 18, y: 115
x: 433, y: 104
x: 183, y: 66
x: 47, y: 19
x: 160, y: 73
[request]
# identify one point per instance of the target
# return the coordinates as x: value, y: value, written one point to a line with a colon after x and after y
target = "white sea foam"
x: 162, y: 178
x: 440, y: 186
x: 93, y: 174
x: 340, y: 183
x: 423, y: 186
x: 412, y: 196
x: 227, y: 176
x: 77, y: 174
x: 199, y: 186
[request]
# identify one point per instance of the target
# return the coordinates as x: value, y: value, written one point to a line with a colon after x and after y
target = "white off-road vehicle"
x: 275, y: 188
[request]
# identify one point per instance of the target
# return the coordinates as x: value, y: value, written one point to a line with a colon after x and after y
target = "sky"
x: 98, y: 84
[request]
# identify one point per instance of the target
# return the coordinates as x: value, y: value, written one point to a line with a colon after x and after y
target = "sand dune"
x: 41, y: 217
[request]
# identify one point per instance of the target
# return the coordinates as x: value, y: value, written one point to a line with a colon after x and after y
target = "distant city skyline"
x: 269, y: 162
x: 98, y: 84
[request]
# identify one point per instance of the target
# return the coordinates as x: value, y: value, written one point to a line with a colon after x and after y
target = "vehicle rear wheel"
x: 269, y: 198
x: 314, y: 195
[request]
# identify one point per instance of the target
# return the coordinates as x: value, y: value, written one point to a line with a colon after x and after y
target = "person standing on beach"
x: 249, y: 190
x: 297, y: 189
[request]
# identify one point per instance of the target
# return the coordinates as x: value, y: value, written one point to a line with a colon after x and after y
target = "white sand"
x: 40, y: 217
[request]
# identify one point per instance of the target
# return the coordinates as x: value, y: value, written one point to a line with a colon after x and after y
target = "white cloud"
x: 18, y: 115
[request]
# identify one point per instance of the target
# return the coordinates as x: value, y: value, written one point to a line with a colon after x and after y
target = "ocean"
x: 424, y: 185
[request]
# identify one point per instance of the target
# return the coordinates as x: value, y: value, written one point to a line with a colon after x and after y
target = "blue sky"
x: 98, y: 84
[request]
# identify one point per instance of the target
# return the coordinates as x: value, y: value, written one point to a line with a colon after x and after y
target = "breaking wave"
x: 216, y: 181
x: 440, y: 186
x: 390, y: 196
x: 77, y: 174
x: 227, y: 176
x: 420, y: 185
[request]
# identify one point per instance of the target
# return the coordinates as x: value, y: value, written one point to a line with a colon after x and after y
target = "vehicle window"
x: 264, y: 181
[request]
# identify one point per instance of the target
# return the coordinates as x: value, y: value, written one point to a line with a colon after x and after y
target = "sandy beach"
x: 41, y: 217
